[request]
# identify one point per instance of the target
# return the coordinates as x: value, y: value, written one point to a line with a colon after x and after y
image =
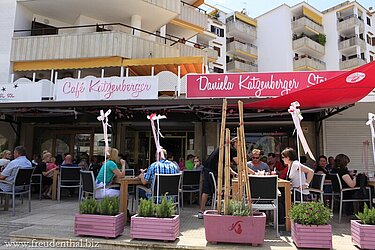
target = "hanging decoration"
x: 297, y: 118
x: 157, y: 134
x: 104, y: 119
x: 370, y: 122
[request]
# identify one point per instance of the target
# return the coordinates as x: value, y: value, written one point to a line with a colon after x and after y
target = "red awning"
x: 342, y: 90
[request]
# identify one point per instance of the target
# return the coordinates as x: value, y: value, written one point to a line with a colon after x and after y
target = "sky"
x: 258, y: 7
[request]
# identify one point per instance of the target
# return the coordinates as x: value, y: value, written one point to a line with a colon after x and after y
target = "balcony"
x: 241, y: 31
x: 193, y: 15
x: 95, y: 45
x: 308, y: 63
x: 171, y: 5
x: 304, y: 24
x: 238, y: 66
x: 349, y: 44
x: 306, y: 45
x: 244, y: 50
x: 352, y: 63
x: 348, y: 23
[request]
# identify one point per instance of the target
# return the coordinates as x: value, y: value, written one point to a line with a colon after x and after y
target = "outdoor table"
x: 124, y: 187
x: 281, y: 183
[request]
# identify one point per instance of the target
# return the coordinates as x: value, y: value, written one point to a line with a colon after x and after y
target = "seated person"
x: 189, y: 164
x: 111, y: 170
x: 47, y: 174
x: 256, y: 165
x: 9, y: 172
x: 197, y: 164
x: 161, y: 166
x: 274, y: 164
x: 68, y: 161
x: 297, y: 173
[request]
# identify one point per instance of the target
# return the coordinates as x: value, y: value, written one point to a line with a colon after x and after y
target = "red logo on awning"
x: 355, y: 77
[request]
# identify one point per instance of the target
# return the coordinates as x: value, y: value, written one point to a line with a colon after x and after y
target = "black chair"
x: 167, y: 184
x: 316, y: 187
x: 36, y: 179
x: 337, y: 190
x: 88, y: 184
x: 190, y: 184
x: 264, y: 195
x: 20, y: 185
x: 69, y: 178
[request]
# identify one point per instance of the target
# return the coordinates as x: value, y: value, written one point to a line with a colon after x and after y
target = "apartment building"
x: 159, y: 42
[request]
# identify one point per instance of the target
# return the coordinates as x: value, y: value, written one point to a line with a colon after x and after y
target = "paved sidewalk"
x: 50, y: 220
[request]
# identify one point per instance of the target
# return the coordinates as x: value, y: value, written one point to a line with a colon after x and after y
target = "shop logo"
x: 355, y: 77
x: 236, y: 227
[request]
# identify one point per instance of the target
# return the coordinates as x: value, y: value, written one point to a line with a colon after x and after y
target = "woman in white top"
x: 294, y: 174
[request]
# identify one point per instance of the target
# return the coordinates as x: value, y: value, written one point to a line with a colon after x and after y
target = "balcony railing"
x: 354, y: 41
x: 352, y: 63
x: 306, y: 42
x: 193, y: 15
x: 302, y: 22
x: 349, y: 22
x: 171, y: 5
x: 308, y: 62
x: 238, y: 27
x: 100, y: 44
x: 235, y: 46
x: 238, y: 66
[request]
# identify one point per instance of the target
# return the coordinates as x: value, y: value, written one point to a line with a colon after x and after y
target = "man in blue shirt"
x: 162, y: 166
x: 9, y: 173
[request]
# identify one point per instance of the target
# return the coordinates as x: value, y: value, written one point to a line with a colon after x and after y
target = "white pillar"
x: 122, y: 71
x: 179, y: 80
x: 136, y: 22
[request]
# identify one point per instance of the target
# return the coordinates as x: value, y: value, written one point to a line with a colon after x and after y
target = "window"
x: 368, y: 21
x: 218, y: 50
x: 368, y: 39
x: 218, y: 70
x: 218, y: 31
x: 371, y: 58
x: 361, y: 36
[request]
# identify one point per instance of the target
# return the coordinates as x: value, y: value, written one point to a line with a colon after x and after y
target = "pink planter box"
x: 99, y: 225
x: 153, y: 228
x: 312, y: 236
x: 363, y: 235
x: 234, y: 229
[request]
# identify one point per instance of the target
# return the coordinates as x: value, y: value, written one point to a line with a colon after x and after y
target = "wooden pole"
x: 221, y: 157
x: 227, y: 171
x: 246, y: 172
x: 239, y: 165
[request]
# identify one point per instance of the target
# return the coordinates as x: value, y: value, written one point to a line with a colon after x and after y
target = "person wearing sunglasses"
x: 256, y: 165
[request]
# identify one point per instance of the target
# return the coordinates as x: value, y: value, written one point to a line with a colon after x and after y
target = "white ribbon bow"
x: 297, y: 117
x: 104, y: 119
x: 370, y: 122
x: 156, y: 133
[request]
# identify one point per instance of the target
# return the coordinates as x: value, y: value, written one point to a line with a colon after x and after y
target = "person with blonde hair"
x: 111, y: 170
x: 5, y: 159
x: 256, y: 164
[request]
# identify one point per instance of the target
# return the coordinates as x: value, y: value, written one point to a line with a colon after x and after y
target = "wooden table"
x: 288, y: 199
x: 124, y: 187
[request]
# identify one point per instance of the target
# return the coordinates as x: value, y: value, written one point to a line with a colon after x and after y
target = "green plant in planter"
x: 146, y: 208
x: 238, y: 208
x: 367, y: 216
x: 310, y: 213
x: 108, y: 206
x: 166, y: 209
x: 88, y: 206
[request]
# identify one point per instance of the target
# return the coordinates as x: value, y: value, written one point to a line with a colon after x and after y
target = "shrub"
x: 146, y: 208
x: 321, y: 39
x: 166, y: 209
x: 310, y: 213
x: 238, y: 208
x: 367, y: 216
x: 88, y: 206
x: 108, y: 206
